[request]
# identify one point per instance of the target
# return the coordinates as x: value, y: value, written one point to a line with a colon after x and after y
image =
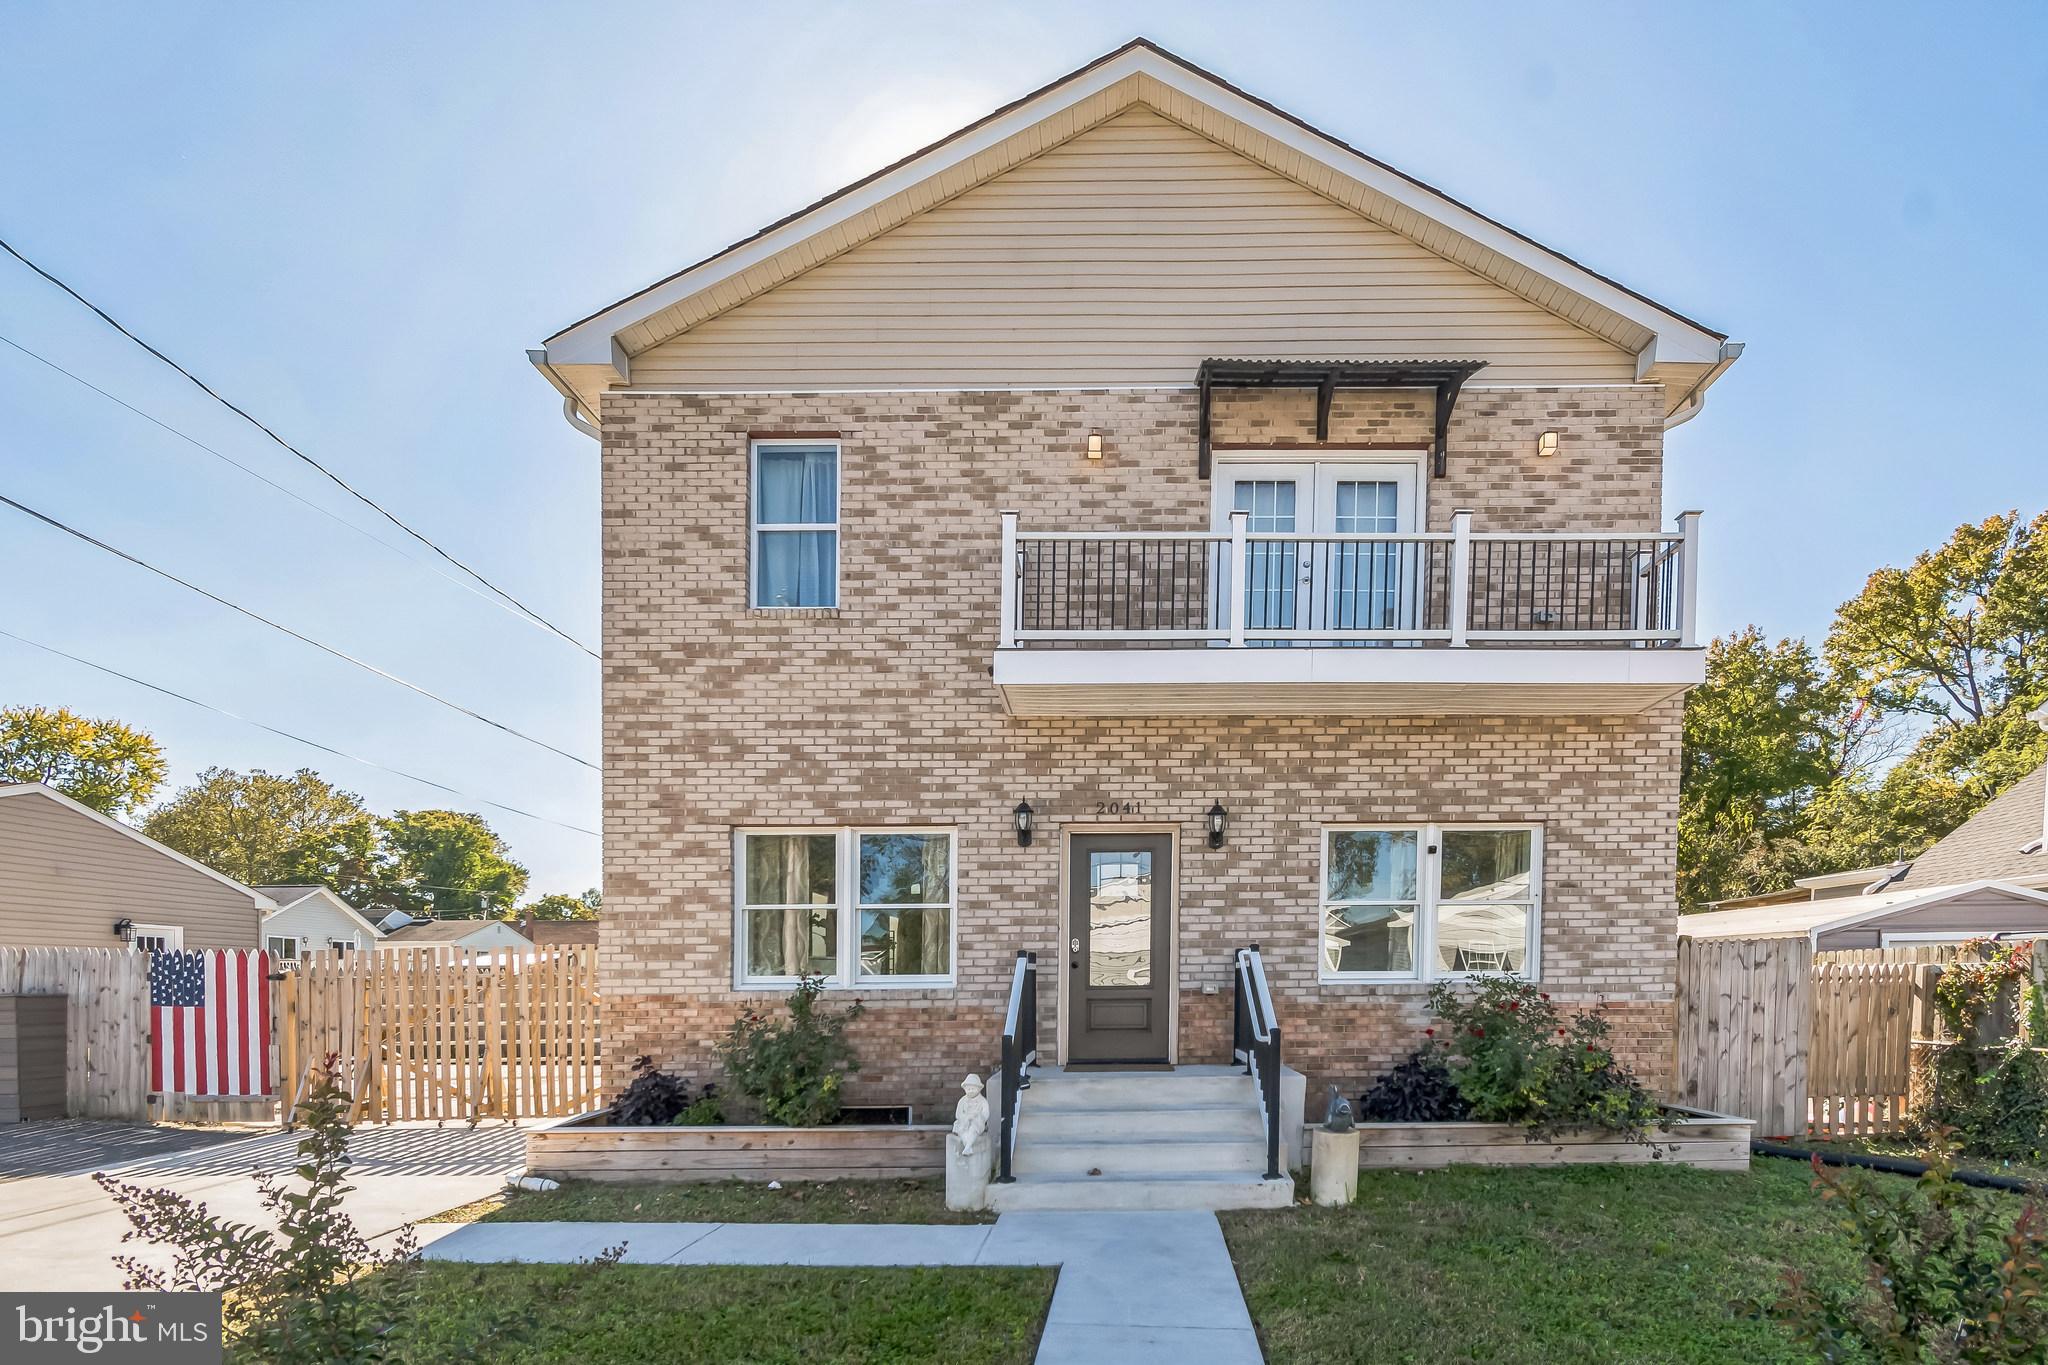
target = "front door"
x: 1119, y: 942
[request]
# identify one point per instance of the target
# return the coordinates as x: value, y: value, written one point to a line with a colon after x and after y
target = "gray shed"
x: 1894, y: 918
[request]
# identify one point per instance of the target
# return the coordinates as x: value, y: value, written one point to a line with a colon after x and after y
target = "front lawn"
x: 1608, y: 1265
x: 1909, y: 1150
x: 724, y: 1201
x: 765, y: 1315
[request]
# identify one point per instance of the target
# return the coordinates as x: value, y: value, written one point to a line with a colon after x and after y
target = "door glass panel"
x: 1271, y: 570
x: 1366, y: 580
x: 1120, y: 918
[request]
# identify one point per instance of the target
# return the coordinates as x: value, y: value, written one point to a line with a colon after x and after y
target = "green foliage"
x: 314, y: 1289
x: 1515, y: 1058
x: 706, y: 1111
x: 448, y: 864
x: 265, y: 830
x: 101, y: 763
x: 1970, y: 990
x: 1914, y: 717
x: 557, y: 905
x: 1948, y: 1279
x: 1990, y: 1088
x: 793, y: 1069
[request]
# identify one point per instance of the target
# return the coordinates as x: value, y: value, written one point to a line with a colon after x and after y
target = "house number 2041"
x: 1119, y: 808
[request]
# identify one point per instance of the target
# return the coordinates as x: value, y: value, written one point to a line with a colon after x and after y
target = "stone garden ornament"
x: 970, y: 1115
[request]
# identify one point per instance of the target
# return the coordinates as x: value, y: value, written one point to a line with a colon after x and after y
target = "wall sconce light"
x: 1094, y: 445
x: 1217, y: 818
x: 1546, y: 444
x: 124, y: 929
x: 1023, y: 814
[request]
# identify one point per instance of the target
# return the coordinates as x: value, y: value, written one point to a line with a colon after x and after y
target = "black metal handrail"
x: 1020, y: 1054
x: 1256, y: 1042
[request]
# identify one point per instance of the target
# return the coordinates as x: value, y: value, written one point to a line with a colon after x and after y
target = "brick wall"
x: 882, y: 711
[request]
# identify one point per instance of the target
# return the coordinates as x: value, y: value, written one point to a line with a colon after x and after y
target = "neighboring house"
x: 477, y: 934
x: 1900, y: 917
x: 2003, y: 841
x: 1825, y: 887
x: 560, y: 933
x: 71, y: 877
x: 1136, y: 526
x: 313, y: 919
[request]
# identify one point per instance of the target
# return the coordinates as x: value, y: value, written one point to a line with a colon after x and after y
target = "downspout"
x: 573, y: 407
x: 1696, y: 397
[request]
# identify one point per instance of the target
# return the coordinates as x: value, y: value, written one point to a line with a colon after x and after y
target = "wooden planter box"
x: 588, y: 1148
x: 1691, y: 1137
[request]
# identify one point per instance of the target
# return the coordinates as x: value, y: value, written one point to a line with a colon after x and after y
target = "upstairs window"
x: 795, y: 510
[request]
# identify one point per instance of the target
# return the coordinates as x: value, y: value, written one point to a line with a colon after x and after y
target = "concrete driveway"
x: 58, y: 1230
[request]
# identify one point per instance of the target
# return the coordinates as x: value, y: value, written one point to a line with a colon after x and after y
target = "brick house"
x: 1133, y: 527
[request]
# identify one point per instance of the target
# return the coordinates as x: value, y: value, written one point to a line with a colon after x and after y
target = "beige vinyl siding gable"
x: 65, y: 878
x: 316, y: 921
x: 1123, y: 256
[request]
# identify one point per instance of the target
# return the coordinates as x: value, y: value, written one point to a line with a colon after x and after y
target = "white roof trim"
x: 1675, y: 339
x: 337, y: 902
x: 261, y: 901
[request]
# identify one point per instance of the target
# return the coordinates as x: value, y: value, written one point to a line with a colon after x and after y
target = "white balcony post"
x: 1240, y: 577
x: 1460, y: 605
x: 1689, y: 581
x: 1006, y: 629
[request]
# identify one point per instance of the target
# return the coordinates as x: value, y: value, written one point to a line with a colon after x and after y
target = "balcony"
x: 1457, y: 622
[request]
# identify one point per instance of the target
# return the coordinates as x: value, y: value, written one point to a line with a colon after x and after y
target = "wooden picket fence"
x: 439, y: 1033
x: 106, y: 1063
x: 1805, y: 1043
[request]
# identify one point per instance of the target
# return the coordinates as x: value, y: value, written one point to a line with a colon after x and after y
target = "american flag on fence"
x: 209, y: 1022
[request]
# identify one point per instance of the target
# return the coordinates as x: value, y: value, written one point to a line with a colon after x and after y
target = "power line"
x: 304, y: 639
x: 337, y: 480
x: 297, y: 739
x: 261, y: 477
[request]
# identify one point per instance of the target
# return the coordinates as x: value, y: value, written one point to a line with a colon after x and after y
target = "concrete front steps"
x: 1191, y: 1138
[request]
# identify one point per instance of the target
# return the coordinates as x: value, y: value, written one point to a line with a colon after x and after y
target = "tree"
x: 1759, y: 743
x: 263, y: 830
x: 448, y: 864
x: 560, y: 905
x: 102, y: 763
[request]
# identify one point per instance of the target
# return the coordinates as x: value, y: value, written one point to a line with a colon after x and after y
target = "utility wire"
x: 338, y: 481
x: 297, y: 739
x: 304, y: 639
x: 292, y: 493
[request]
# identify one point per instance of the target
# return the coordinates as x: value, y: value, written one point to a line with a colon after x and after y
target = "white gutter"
x: 573, y: 407
x: 1696, y: 397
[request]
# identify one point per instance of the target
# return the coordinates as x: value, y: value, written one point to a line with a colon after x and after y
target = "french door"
x: 1306, y: 580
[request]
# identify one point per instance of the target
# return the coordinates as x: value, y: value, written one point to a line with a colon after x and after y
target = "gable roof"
x: 597, y: 351
x: 446, y: 931
x: 559, y: 933
x: 1811, y: 919
x: 289, y: 896
x: 262, y: 901
x: 1988, y: 844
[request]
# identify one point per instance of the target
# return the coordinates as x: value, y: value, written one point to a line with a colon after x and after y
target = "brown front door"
x: 1119, y: 968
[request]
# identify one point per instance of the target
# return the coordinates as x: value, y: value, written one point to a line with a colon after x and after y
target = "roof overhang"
x: 595, y: 353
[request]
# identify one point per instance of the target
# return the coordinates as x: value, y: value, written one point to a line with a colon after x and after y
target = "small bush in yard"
x: 1946, y: 1278
x: 654, y: 1096
x: 1990, y: 1086
x: 1419, y: 1090
x: 794, y: 1069
x: 311, y: 1290
x: 1515, y: 1058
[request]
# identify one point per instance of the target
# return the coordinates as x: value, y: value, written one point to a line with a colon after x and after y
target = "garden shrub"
x: 794, y: 1069
x: 1947, y: 1277
x: 654, y: 1096
x: 1990, y: 1087
x: 1419, y: 1090
x: 1515, y: 1058
x: 311, y: 1290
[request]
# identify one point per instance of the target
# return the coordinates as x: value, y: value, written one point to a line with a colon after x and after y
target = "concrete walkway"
x: 58, y: 1230
x: 1133, y: 1287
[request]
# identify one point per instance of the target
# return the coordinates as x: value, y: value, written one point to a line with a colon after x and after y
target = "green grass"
x: 1611, y: 1265
x: 729, y: 1201
x: 1908, y: 1149
x: 764, y: 1315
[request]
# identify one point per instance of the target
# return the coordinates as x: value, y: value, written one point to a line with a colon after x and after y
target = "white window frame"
x: 846, y: 881
x: 755, y: 526
x: 173, y: 936
x: 1428, y: 889
x: 270, y: 942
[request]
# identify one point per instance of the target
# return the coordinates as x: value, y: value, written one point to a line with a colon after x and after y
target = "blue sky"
x: 353, y: 220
